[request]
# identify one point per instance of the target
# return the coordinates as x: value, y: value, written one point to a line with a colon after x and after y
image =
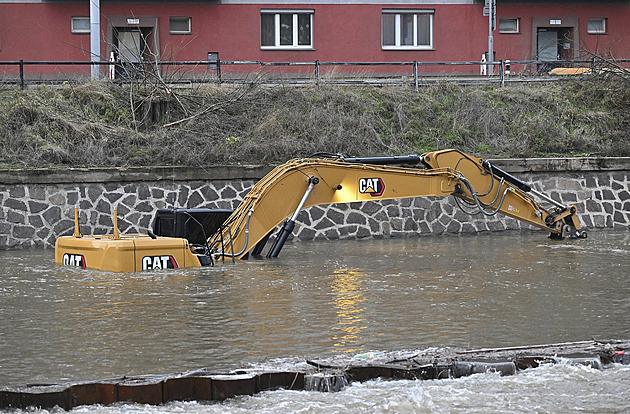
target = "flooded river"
x: 328, y: 298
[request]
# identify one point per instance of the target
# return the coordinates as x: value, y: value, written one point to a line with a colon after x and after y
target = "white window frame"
x: 181, y: 19
x: 398, y: 29
x: 73, y: 29
x: 295, y: 45
x: 604, y: 23
x: 516, y: 21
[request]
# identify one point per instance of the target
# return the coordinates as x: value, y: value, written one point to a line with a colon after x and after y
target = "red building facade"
x: 309, y: 30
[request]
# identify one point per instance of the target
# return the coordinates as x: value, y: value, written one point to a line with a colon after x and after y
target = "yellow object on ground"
x: 570, y: 71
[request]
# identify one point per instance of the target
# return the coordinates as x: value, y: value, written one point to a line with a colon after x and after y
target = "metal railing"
x: 212, y: 71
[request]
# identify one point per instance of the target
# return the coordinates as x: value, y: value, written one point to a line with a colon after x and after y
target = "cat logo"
x: 158, y: 262
x: 74, y: 260
x: 371, y: 186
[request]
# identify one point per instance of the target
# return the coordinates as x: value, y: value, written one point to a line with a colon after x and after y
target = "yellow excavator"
x: 203, y: 236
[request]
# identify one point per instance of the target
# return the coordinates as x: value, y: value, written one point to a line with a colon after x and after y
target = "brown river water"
x: 321, y: 299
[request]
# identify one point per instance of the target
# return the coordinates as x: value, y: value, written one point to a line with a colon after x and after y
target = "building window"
x: 596, y: 26
x: 179, y: 25
x: 508, y: 26
x: 407, y: 29
x: 80, y: 25
x: 289, y: 29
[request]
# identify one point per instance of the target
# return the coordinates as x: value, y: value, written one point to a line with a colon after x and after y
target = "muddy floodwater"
x: 323, y: 299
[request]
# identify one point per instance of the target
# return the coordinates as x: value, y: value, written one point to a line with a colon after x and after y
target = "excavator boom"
x: 303, y: 183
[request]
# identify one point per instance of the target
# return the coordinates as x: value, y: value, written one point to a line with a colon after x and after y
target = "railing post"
x: 219, y: 71
x: 22, y: 73
x: 317, y: 72
x: 415, y: 73
x: 502, y: 69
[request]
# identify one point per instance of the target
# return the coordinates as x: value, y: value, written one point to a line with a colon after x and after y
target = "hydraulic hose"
x: 479, y: 204
x: 234, y: 255
x: 521, y: 185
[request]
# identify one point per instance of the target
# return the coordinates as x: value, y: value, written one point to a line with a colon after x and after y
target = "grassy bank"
x: 105, y: 124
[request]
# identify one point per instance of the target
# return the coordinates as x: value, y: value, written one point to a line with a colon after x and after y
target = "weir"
x: 329, y: 375
x: 325, y: 382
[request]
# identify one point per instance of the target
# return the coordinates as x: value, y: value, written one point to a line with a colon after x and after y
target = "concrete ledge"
x: 255, y: 172
x: 520, y: 165
x: 132, y: 174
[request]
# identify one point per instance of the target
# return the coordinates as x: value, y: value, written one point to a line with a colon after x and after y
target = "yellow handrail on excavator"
x: 303, y: 183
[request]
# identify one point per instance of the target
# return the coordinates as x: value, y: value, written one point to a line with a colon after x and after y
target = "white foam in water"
x: 325, y: 382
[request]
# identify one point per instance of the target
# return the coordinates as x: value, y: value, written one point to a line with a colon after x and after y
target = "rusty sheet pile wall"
x: 327, y: 376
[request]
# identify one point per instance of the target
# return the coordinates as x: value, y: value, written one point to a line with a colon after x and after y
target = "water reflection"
x: 347, y: 286
x: 269, y: 298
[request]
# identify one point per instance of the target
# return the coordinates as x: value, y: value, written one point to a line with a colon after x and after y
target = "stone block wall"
x: 35, y: 211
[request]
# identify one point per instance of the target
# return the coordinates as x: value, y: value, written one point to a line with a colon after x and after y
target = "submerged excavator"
x: 200, y: 237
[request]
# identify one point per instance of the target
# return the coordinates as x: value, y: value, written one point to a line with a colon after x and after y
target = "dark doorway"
x: 554, y: 38
x: 552, y: 45
x: 548, y: 41
x: 131, y: 50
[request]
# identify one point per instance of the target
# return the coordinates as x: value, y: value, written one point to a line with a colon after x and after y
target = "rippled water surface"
x: 328, y: 298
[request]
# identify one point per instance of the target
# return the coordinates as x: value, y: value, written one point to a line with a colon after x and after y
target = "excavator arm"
x: 491, y: 190
x: 302, y: 183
